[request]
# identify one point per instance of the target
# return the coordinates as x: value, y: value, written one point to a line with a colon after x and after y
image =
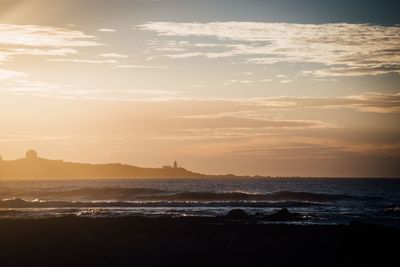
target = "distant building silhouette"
x: 31, y: 154
x: 174, y: 166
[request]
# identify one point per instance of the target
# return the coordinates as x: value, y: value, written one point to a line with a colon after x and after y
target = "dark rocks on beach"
x: 284, y: 215
x: 281, y: 215
x: 237, y: 214
x: 259, y: 215
x: 394, y: 211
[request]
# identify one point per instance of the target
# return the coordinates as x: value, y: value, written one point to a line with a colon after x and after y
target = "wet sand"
x: 138, y: 241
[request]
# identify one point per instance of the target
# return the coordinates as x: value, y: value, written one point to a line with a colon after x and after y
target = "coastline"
x: 33, y: 168
x: 191, y: 241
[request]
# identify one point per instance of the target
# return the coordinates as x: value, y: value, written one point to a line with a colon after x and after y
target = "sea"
x: 319, y: 200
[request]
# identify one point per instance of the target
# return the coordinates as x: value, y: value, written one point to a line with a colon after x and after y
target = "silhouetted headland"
x: 34, y: 167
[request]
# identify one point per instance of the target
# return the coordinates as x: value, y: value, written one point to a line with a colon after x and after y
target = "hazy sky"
x: 300, y: 87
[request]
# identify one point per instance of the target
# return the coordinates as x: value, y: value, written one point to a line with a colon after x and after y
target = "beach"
x: 192, y: 241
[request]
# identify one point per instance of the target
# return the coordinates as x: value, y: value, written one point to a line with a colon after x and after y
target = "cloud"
x: 369, y: 102
x: 152, y: 92
x: 10, y: 74
x: 7, y: 54
x: 131, y: 66
x: 23, y: 86
x: 344, y: 49
x: 234, y: 81
x: 106, y: 30
x: 17, y: 84
x: 377, y: 102
x: 247, y: 108
x: 90, y: 61
x: 36, y: 40
x: 356, y: 71
x: 291, y: 147
x: 220, y: 122
x: 113, y: 55
x: 286, y: 81
x: 185, y: 55
x: 168, y: 46
x: 44, y: 36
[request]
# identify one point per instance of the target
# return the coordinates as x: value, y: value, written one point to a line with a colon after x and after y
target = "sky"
x: 250, y: 87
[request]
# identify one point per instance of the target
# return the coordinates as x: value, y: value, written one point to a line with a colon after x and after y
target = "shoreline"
x: 191, y: 241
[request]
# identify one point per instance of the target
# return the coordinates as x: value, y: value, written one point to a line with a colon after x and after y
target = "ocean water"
x: 321, y: 201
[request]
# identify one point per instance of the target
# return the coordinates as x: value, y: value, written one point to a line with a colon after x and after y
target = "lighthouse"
x: 175, y: 165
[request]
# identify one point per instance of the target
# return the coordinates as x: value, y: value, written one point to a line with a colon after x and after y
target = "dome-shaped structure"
x: 31, y: 154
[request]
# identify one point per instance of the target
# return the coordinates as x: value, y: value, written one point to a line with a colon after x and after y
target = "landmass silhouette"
x: 34, y: 167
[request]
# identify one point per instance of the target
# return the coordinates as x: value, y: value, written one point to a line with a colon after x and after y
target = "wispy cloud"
x: 22, y: 86
x: 113, y: 55
x: 355, y: 71
x: 8, y: 54
x: 10, y: 74
x: 43, y: 41
x: 368, y: 102
x: 132, y: 66
x: 106, y: 30
x: 313, y: 148
x: 90, y: 61
x: 344, y: 49
x: 44, y: 36
x: 223, y: 121
x: 234, y: 81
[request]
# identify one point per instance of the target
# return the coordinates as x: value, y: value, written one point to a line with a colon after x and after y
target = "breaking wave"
x: 21, y: 203
x: 143, y: 197
x: 117, y: 193
x: 277, y: 196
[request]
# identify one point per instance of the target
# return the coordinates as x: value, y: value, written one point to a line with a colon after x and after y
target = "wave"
x: 276, y: 196
x: 21, y: 203
x: 117, y: 193
x: 184, y: 199
x: 150, y: 194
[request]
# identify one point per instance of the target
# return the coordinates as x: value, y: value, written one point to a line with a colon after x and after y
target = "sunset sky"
x: 301, y: 87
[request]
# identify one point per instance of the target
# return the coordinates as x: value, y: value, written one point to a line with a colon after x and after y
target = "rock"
x: 284, y: 215
x: 237, y: 214
x: 259, y: 215
x: 395, y: 211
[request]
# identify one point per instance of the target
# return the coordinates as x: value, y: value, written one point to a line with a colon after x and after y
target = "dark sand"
x: 139, y: 241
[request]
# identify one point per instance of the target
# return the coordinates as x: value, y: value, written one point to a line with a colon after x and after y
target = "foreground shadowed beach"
x: 192, y: 241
